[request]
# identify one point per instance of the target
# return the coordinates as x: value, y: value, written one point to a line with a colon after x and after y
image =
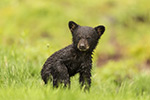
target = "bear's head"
x: 85, y: 38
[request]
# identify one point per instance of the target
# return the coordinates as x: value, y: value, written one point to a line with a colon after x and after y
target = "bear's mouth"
x: 82, y: 49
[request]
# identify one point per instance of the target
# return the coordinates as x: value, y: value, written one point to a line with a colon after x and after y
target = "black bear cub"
x: 75, y: 58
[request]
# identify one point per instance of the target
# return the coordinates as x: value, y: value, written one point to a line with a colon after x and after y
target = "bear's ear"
x: 100, y: 29
x: 72, y: 25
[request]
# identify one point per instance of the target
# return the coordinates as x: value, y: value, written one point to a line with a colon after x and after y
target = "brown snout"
x: 83, y: 45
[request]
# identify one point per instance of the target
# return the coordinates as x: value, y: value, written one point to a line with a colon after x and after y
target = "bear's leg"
x: 85, y: 80
x: 61, y: 75
x: 45, y: 74
x: 65, y: 79
x: 45, y: 78
x: 85, y: 74
x: 55, y: 82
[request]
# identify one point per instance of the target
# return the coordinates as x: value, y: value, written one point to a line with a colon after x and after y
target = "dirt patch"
x: 148, y: 63
x: 145, y: 66
x: 105, y: 58
x: 118, y: 55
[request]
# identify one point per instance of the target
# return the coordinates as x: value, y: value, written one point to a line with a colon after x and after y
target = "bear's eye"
x: 79, y: 38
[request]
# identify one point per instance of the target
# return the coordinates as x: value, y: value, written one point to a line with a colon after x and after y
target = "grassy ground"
x: 31, y: 30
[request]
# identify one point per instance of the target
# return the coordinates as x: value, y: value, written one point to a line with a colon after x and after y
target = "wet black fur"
x: 70, y: 60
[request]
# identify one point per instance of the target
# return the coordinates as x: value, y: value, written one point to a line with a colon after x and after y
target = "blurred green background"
x: 31, y: 30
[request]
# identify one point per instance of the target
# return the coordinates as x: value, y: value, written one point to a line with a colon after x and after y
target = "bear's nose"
x: 82, y: 46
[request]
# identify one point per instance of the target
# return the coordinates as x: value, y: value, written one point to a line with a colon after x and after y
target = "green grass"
x: 31, y: 30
